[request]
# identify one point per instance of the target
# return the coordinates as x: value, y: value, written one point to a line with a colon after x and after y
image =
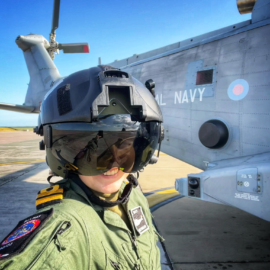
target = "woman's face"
x: 105, y: 183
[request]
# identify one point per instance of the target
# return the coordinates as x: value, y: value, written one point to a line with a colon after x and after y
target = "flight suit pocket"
x: 49, y: 256
x: 113, y: 261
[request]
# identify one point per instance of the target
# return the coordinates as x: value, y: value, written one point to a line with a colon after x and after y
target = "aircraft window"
x: 204, y: 77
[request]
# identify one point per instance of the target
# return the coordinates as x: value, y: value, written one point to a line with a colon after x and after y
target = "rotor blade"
x: 55, y: 20
x: 74, y: 47
x: 17, y: 108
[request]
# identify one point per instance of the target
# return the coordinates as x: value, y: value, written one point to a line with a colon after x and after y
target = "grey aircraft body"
x: 214, y: 93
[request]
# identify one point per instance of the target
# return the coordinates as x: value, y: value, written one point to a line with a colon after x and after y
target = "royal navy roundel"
x: 22, y: 231
x: 238, y: 89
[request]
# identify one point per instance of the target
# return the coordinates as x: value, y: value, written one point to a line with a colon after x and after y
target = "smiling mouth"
x: 111, y: 172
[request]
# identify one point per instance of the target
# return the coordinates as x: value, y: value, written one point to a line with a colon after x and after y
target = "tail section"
x: 43, y: 72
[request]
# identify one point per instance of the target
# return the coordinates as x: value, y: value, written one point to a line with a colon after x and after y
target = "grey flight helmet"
x: 97, y: 119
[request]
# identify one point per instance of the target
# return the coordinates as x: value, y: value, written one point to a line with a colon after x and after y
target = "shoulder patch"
x: 23, y: 233
x: 49, y: 196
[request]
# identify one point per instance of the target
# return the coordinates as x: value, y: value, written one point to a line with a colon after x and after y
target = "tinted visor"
x: 113, y: 141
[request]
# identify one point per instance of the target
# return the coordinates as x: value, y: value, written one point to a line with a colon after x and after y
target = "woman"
x: 95, y: 218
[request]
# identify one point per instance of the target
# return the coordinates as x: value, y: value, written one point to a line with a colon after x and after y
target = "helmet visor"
x: 113, y: 141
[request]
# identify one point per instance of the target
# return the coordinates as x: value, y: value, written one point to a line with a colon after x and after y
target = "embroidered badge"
x: 23, y: 233
x: 139, y: 220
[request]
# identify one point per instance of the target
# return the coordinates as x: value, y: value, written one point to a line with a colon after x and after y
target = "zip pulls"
x: 134, y: 240
x: 58, y: 240
x: 66, y: 225
x: 115, y: 265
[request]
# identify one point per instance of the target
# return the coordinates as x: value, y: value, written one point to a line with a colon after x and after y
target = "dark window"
x: 204, y: 77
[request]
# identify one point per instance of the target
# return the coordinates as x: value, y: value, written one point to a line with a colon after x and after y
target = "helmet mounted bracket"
x: 116, y: 79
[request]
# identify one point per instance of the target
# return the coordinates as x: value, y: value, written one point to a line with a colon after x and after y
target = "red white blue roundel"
x: 22, y: 231
x: 238, y: 89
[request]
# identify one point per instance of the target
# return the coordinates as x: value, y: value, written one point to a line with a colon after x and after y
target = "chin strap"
x: 133, y: 182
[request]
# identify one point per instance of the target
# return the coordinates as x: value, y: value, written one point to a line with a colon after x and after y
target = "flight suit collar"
x: 110, y: 217
x: 76, y: 188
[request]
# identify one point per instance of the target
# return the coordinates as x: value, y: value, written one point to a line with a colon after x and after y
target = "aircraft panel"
x: 261, y: 34
x: 256, y: 106
x: 224, y: 105
x: 176, y: 112
x: 178, y: 123
x: 258, y: 79
x: 183, y: 135
x: 255, y: 120
x: 211, y: 52
x: 257, y: 64
x: 258, y: 92
x: 223, y: 84
x: 236, y: 133
x: 232, y: 56
x: 234, y: 43
x: 230, y: 69
x: 180, y: 75
x: 202, y: 151
x: 234, y: 38
x: 260, y: 49
x: 211, y: 61
x: 252, y: 149
x: 258, y: 40
x: 158, y: 65
x: 182, y: 59
x: 250, y: 136
x: 208, y: 104
x: 172, y: 85
x: 214, y: 45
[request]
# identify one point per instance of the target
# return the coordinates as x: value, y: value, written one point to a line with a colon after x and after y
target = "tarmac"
x: 198, y: 235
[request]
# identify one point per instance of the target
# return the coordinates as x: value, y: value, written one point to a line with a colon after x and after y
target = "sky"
x: 114, y: 30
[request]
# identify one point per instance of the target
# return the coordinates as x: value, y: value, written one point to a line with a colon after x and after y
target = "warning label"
x: 247, y: 196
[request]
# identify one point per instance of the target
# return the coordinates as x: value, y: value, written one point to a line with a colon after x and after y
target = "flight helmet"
x: 97, y: 119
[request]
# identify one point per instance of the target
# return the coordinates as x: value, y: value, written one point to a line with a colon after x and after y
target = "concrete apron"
x: 199, y: 235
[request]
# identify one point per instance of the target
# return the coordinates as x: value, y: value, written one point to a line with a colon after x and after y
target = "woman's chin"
x: 108, y: 189
x: 105, y: 183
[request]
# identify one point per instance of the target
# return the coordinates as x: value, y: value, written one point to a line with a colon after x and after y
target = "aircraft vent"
x: 245, y: 6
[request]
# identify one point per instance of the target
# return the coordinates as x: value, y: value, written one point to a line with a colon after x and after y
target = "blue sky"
x: 114, y: 30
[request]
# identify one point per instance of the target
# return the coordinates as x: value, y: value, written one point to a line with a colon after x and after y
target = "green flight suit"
x: 81, y: 235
